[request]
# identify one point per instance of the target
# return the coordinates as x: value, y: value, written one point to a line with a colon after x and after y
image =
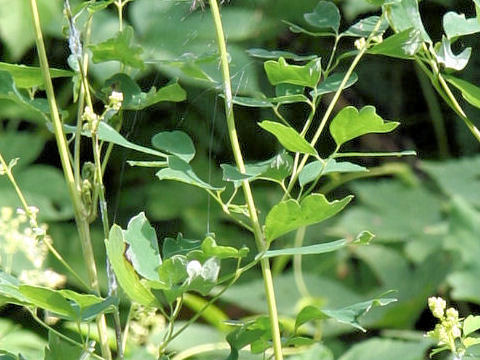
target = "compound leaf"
x: 279, y: 72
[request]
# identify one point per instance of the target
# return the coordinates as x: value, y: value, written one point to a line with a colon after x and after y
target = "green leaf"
x: 288, y: 137
x: 403, y: 15
x: 143, y: 249
x: 456, y: 25
x: 470, y: 92
x: 347, y: 315
x: 350, y: 123
x: 280, y: 71
x: 180, y: 170
x: 471, y: 324
x: 391, y: 349
x: 176, y: 143
x: 269, y: 102
x: 135, y: 99
x: 290, y: 214
x: 275, y: 54
x: 447, y: 58
x: 119, y: 48
x: 332, y: 83
x: 48, y: 299
x: 58, y: 348
x: 365, y: 27
x: 179, y: 246
x: 317, y: 351
x: 211, y: 249
x: 324, y: 16
x: 26, y: 77
x: 126, y: 276
x: 318, y: 168
x: 403, y: 45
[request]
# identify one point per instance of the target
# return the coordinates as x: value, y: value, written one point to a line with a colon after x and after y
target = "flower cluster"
x: 144, y: 320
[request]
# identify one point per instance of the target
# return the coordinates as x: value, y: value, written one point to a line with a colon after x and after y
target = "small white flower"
x: 437, y: 306
x: 194, y: 269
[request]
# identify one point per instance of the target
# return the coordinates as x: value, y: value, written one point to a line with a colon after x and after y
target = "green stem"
x: 79, y: 209
x: 259, y: 237
x: 297, y: 264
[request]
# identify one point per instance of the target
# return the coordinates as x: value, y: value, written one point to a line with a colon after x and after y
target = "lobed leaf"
x: 325, y: 16
x: 211, y: 249
x: 176, y: 143
x: 179, y: 246
x: 288, y: 137
x: 403, y: 15
x: 456, y: 25
x: 350, y: 123
x: 290, y: 214
x: 403, y: 45
x: 280, y: 71
x: 447, y: 58
x: 364, y: 27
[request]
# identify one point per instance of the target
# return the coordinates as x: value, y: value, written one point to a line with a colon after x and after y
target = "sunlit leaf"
x: 288, y: 137
x: 179, y: 246
x: 211, y: 249
x: 275, y: 54
x: 403, y: 15
x: 119, y: 48
x: 471, y: 324
x: 143, y: 250
x: 447, y: 58
x: 403, y: 45
x: 126, y: 275
x: 470, y: 92
x: 456, y: 25
x: 280, y: 71
x: 350, y: 123
x: 316, y: 168
x: 48, y: 299
x: 176, y: 143
x: 324, y: 16
x: 365, y: 27
x: 290, y: 214
x: 180, y: 170
x: 27, y: 77
x: 391, y: 349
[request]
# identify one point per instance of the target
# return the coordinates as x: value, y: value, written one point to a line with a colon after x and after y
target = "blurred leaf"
x: 288, y: 137
x: 470, y: 92
x: 403, y: 15
x: 308, y: 250
x: 290, y: 214
x: 391, y: 349
x: 17, y: 340
x: 25, y: 145
x: 58, y: 348
x: 248, y: 334
x: 143, y: 250
x: 126, y: 276
x: 332, y: 83
x: 403, y: 45
x: 465, y: 285
x: 456, y: 25
x: 48, y: 299
x: 135, y: 99
x: 447, y: 58
x: 324, y: 16
x: 179, y: 246
x: 179, y: 170
x: 176, y: 143
x: 318, y: 168
x: 275, y: 54
x: 26, y: 77
x: 365, y: 27
x: 280, y: 71
x: 317, y: 351
x: 348, y: 315
x: 350, y: 123
x: 471, y: 324
x: 119, y: 48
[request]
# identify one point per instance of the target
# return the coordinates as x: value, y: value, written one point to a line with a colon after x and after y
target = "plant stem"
x: 79, y: 209
x: 259, y: 237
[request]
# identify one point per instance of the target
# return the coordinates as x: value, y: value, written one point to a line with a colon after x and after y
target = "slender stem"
x: 297, y: 264
x: 259, y: 237
x: 79, y: 209
x: 375, y: 154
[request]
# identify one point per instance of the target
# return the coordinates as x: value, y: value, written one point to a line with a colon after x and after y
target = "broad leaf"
x: 365, y: 27
x: 403, y: 45
x: 280, y: 71
x: 348, y: 315
x: 447, y: 58
x: 176, y: 143
x: 290, y: 214
x: 391, y: 349
x: 179, y: 246
x: 211, y: 249
x: 470, y: 92
x: 275, y: 54
x: 180, y: 170
x: 126, y: 276
x: 403, y: 15
x: 143, y: 250
x: 471, y: 324
x: 26, y: 77
x: 135, y: 99
x: 48, y: 299
x: 318, y: 168
x: 456, y: 25
x: 119, y: 48
x: 332, y: 83
x: 58, y: 349
x: 324, y: 16
x: 288, y: 137
x: 350, y: 123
